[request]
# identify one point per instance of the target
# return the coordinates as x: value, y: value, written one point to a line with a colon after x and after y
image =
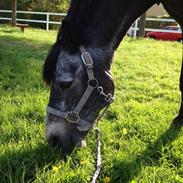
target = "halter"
x: 92, y: 84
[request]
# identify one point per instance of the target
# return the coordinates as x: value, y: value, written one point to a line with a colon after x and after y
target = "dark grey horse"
x: 78, y: 65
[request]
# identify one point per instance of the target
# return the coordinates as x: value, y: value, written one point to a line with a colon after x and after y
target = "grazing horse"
x: 78, y: 64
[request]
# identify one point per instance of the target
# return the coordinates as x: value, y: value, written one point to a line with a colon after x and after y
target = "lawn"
x: 139, y: 144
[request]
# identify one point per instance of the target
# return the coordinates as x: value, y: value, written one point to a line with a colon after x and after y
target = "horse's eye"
x: 65, y: 84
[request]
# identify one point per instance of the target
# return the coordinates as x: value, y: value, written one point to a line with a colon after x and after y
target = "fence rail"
x: 133, y: 29
x: 47, y: 21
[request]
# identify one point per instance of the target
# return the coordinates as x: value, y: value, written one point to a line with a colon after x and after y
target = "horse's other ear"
x: 50, y: 63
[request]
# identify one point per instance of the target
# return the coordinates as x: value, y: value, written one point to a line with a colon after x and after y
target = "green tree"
x: 59, y: 6
x: 35, y: 5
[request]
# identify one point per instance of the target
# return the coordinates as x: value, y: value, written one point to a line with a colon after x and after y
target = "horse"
x: 78, y: 65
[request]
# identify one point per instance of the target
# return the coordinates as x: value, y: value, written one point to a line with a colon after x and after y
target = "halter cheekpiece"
x: 92, y: 84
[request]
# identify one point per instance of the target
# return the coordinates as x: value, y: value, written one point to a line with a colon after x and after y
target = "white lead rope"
x: 98, y: 161
x: 98, y: 147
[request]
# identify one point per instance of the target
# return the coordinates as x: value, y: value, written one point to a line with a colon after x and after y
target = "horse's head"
x: 80, y: 78
x: 81, y: 86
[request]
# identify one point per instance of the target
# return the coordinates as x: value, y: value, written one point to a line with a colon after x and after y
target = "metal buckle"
x: 109, y: 98
x: 72, y: 117
x: 86, y: 57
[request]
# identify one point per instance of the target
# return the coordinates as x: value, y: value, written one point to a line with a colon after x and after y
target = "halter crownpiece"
x: 92, y: 84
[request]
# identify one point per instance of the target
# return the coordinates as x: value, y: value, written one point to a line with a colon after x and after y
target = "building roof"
x: 156, y: 10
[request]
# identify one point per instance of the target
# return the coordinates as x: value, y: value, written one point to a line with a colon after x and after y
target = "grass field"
x: 139, y: 144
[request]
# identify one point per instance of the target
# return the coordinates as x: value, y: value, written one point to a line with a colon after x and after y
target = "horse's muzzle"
x: 61, y: 134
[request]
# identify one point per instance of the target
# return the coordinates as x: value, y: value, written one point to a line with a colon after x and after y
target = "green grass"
x: 146, y: 74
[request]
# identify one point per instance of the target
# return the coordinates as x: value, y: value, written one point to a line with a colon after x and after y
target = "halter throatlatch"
x: 92, y: 84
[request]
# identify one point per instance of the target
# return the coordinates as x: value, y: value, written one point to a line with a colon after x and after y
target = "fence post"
x: 136, y: 29
x: 47, y: 21
x: 142, y: 25
x: 14, y: 12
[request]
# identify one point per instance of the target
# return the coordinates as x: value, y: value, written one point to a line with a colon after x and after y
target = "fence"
x: 47, y: 21
x: 134, y: 28
x: 132, y: 31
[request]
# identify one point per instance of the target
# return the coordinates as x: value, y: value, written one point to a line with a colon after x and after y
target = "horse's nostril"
x: 54, y: 140
x: 60, y: 143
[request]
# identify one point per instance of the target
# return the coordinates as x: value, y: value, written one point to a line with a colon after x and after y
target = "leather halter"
x: 92, y: 84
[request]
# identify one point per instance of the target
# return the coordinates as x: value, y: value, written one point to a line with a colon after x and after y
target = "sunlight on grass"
x: 138, y: 142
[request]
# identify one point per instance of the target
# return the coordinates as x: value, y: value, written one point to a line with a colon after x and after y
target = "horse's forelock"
x: 50, y: 63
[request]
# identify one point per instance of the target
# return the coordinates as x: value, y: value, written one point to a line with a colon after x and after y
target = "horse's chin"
x: 81, y: 144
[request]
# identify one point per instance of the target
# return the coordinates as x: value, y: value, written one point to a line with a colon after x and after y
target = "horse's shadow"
x: 126, y: 171
x: 25, y: 163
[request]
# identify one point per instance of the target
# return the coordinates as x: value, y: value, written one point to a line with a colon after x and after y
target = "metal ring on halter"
x: 100, y: 89
x: 93, y: 83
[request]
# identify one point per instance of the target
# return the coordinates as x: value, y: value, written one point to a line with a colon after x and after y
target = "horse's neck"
x: 111, y: 21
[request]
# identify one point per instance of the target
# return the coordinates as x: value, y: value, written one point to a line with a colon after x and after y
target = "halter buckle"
x: 72, y: 117
x: 87, y: 60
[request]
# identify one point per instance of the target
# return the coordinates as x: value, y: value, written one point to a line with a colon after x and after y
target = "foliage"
x: 138, y: 142
x: 59, y: 6
x: 38, y: 5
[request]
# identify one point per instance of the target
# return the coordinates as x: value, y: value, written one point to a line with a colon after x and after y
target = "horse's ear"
x: 50, y: 63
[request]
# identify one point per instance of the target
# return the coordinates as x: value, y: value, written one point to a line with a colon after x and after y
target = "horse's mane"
x: 70, y: 35
x: 75, y: 24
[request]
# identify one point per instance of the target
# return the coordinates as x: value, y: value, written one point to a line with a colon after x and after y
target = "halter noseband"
x: 92, y: 84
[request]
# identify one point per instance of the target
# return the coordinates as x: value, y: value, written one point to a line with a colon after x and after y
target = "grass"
x: 139, y: 144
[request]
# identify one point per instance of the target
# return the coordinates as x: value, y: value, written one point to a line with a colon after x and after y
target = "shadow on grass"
x: 22, y: 166
x: 23, y: 42
x: 124, y: 172
x: 10, y: 31
x: 21, y: 63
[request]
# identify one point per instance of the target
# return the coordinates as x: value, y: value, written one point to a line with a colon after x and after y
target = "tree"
x: 14, y: 12
x: 60, y: 6
x: 142, y: 23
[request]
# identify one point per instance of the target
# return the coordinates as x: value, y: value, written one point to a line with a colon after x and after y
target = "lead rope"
x: 99, y: 160
x: 98, y: 147
x: 88, y: 62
